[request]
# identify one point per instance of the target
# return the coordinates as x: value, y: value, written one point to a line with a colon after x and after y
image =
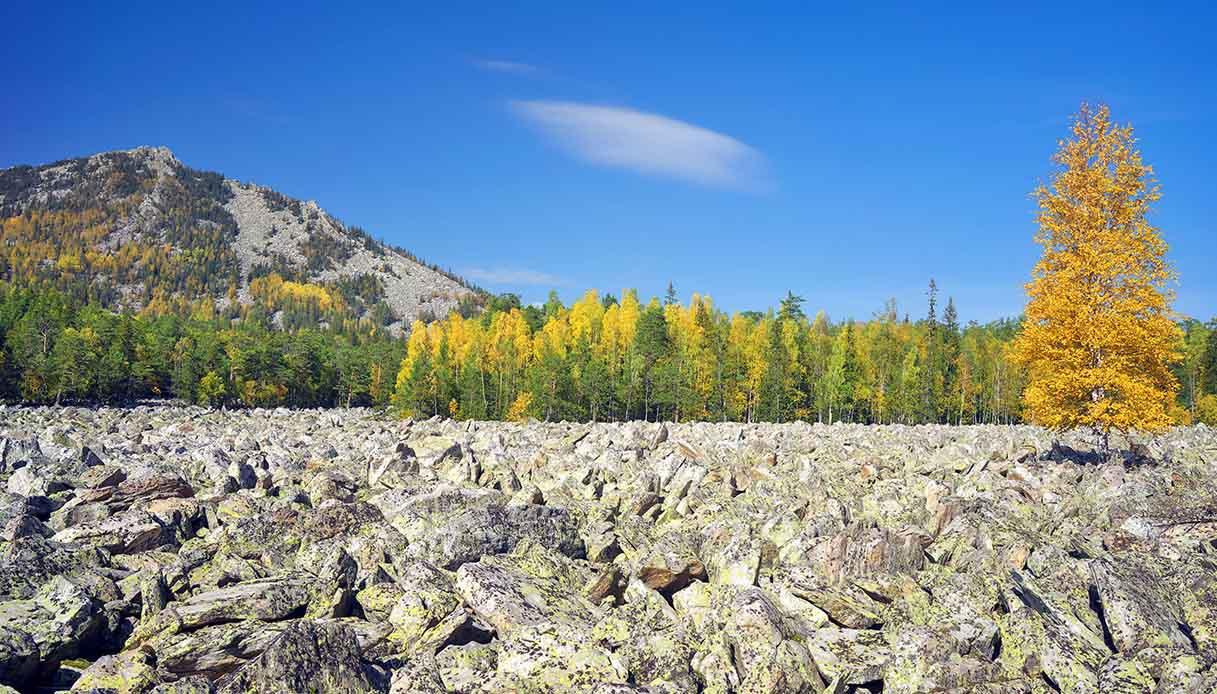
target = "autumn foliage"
x: 604, y: 359
x: 1099, y: 337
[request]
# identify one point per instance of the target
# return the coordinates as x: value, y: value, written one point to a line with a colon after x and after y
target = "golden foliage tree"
x: 1098, y: 336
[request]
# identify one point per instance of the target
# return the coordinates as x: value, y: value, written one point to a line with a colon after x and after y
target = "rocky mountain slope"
x: 140, y: 221
x: 182, y: 550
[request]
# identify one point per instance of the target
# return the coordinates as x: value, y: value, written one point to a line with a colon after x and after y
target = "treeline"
x: 56, y: 349
x: 1197, y: 372
x: 601, y: 358
x: 609, y: 359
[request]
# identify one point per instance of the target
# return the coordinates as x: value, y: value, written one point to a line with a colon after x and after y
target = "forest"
x: 601, y: 358
x: 58, y: 350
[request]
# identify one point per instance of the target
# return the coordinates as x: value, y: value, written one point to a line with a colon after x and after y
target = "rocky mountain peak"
x: 223, y: 232
x: 158, y: 153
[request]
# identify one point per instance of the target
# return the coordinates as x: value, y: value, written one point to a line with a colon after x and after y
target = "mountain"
x: 137, y: 229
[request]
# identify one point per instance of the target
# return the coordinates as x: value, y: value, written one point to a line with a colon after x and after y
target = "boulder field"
x: 174, y: 549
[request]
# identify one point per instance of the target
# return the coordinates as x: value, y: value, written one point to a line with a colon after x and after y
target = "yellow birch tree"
x: 1098, y: 336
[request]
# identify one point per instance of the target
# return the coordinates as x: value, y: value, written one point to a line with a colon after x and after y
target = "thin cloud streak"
x: 507, y: 66
x: 647, y: 143
x: 514, y: 276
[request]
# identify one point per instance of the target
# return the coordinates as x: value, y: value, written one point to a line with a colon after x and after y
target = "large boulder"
x: 131, y: 532
x: 307, y: 657
x: 62, y: 619
x: 19, y: 655
x: 530, y: 599
x: 266, y: 600
x: 1137, y: 612
x: 450, y: 527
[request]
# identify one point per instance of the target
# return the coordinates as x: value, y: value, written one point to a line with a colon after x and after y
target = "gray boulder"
x: 307, y: 657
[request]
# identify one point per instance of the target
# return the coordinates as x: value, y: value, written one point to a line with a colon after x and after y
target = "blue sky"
x: 847, y: 154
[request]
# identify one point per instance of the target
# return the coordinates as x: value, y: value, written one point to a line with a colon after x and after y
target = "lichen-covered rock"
x: 733, y: 554
x: 137, y: 490
x: 213, y: 651
x: 671, y: 562
x: 769, y: 656
x: 850, y: 656
x: 466, y: 667
x: 450, y: 527
x: 1137, y: 613
x: 19, y: 656
x: 195, y: 684
x: 266, y: 600
x: 129, y: 672
x: 129, y: 533
x: 527, y: 588
x: 424, y: 608
x: 417, y: 676
x: 29, y: 562
x: 530, y: 599
x: 307, y: 657
x: 182, y: 550
x: 62, y: 618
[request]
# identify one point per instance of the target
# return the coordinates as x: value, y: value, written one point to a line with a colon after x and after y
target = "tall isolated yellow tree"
x: 1098, y: 336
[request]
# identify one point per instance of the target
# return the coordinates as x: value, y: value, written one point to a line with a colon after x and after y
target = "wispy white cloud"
x: 508, y: 66
x: 513, y: 276
x: 647, y: 143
